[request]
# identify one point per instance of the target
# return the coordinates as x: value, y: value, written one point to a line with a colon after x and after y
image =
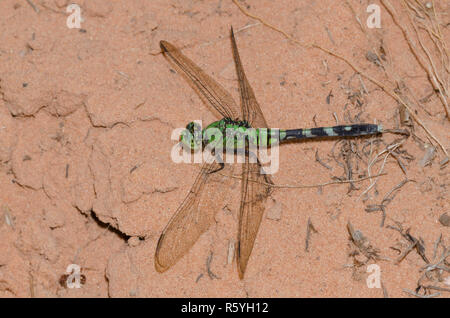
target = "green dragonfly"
x: 192, y: 219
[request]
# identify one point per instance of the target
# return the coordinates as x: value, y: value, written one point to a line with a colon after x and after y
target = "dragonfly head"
x: 191, y: 138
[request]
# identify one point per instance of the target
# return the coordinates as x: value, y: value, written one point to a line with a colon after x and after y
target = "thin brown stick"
x: 436, y: 245
x: 435, y: 73
x: 385, y: 292
x: 321, y: 162
x: 287, y: 186
x: 36, y: 9
x: 389, y: 149
x: 405, y: 252
x: 421, y: 296
x: 387, y: 198
x: 244, y: 11
x: 437, y: 288
x: 208, y: 267
x: 415, y: 52
x: 309, y: 228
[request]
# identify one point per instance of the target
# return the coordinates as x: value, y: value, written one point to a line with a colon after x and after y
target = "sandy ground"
x: 86, y: 117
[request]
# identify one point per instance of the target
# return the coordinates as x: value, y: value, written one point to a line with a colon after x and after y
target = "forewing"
x: 255, y: 187
x: 211, y: 92
x: 251, y: 112
x: 190, y: 220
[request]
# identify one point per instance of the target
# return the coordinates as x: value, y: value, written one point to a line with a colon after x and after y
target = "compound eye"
x: 193, y: 127
x: 190, y: 126
x: 196, y: 127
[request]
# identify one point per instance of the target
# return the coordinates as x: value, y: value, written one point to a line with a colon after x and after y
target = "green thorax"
x: 231, y: 134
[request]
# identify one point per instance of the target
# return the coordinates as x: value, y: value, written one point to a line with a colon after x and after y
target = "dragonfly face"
x: 191, y: 137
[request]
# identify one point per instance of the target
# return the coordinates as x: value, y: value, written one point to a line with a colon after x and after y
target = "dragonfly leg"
x: 219, y: 160
x: 222, y: 165
x: 251, y: 155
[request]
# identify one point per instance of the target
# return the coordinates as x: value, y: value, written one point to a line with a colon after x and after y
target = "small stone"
x: 430, y: 153
x: 231, y: 248
x: 133, y: 241
x: 274, y: 212
x: 8, y: 217
x: 445, y: 219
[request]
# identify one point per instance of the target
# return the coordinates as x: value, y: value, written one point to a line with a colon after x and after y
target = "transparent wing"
x: 210, y: 92
x: 196, y: 213
x: 254, y: 192
x: 192, y: 219
x: 251, y: 112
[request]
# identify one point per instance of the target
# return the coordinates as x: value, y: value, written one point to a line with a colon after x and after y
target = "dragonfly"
x: 192, y: 218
